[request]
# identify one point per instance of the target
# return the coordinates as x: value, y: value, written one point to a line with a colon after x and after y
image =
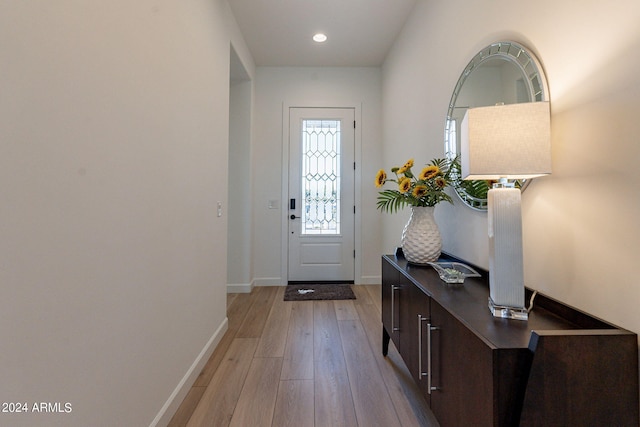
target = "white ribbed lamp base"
x: 506, y: 273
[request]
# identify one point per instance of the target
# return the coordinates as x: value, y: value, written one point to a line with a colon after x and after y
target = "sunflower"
x: 419, y: 191
x: 406, y: 166
x: 427, y: 189
x: 429, y: 172
x: 381, y: 178
x: 404, y: 185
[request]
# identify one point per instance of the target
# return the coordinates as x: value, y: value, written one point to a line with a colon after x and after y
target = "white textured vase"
x: 421, y: 241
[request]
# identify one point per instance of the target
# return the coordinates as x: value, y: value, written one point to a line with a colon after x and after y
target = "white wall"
x: 581, y: 234
x: 239, y: 209
x: 114, y: 137
x: 311, y: 87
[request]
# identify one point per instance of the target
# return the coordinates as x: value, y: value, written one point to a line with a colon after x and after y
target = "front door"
x: 321, y: 194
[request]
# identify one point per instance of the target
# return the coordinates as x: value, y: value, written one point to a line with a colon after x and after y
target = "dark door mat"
x: 318, y: 292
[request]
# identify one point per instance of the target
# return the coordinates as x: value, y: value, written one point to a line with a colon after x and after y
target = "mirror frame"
x: 536, y: 85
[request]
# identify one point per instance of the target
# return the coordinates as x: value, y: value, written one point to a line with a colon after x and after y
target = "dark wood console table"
x: 562, y: 367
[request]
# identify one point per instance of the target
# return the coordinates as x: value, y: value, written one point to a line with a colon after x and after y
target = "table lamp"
x: 505, y: 143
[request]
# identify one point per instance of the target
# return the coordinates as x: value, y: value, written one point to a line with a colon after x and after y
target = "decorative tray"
x: 453, y: 272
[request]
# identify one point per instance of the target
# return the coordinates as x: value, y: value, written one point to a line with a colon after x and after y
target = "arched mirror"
x: 501, y: 73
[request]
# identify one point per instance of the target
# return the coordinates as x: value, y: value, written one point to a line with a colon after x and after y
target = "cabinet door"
x: 390, y: 301
x: 462, y: 369
x: 414, y: 319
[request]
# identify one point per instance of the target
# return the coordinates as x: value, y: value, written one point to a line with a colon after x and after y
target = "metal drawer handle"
x: 430, y: 386
x: 420, y: 373
x: 393, y: 308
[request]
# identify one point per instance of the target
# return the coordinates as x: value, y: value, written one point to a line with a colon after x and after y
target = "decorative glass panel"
x: 321, y: 176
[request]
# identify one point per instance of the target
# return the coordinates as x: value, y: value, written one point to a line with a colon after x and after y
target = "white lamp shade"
x: 506, y: 141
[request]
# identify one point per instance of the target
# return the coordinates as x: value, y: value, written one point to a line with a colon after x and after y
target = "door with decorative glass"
x: 321, y: 194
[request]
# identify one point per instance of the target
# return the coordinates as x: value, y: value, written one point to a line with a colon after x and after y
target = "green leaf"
x: 391, y: 201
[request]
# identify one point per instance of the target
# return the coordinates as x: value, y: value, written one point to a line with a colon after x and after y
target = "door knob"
x: 293, y: 216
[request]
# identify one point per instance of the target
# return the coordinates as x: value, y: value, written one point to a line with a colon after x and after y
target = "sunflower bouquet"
x: 425, y: 189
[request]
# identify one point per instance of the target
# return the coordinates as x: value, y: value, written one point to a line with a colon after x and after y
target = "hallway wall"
x: 239, y: 207
x: 114, y: 122
x: 311, y: 87
x: 581, y: 238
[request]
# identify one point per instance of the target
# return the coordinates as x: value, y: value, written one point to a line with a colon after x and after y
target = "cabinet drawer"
x: 462, y: 367
x: 390, y: 301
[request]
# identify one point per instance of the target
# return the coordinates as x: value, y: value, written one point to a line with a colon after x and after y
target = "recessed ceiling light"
x: 319, y: 38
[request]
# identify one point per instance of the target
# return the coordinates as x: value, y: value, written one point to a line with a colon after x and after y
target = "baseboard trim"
x: 239, y: 288
x: 180, y: 392
x: 246, y: 288
x: 267, y: 281
x: 370, y: 280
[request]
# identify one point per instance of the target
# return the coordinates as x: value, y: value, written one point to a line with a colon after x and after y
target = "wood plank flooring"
x: 304, y: 363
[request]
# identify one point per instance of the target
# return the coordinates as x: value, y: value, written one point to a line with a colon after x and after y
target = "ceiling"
x: 360, y: 32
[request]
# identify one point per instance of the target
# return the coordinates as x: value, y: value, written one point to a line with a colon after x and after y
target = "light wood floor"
x: 307, y: 363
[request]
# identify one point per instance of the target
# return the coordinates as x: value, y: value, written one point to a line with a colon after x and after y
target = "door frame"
x: 284, y: 225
